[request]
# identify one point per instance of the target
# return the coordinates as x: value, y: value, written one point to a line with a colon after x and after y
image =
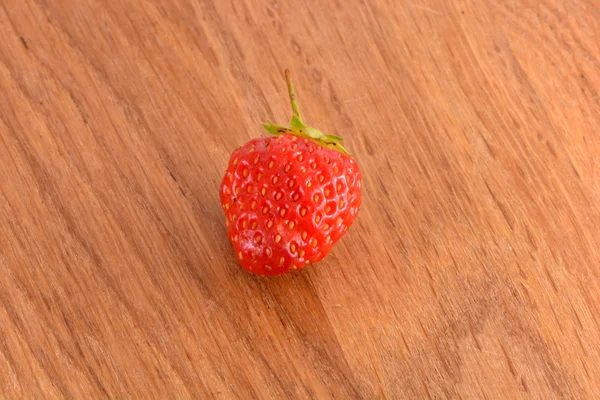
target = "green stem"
x: 298, y: 128
x: 293, y: 100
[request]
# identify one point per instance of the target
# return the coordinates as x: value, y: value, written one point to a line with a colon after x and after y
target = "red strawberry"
x: 288, y: 199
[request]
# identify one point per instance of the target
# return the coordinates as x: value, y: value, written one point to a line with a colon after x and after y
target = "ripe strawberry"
x: 288, y: 199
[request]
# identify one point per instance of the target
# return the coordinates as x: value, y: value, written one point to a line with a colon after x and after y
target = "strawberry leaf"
x: 276, y: 129
x: 296, y: 123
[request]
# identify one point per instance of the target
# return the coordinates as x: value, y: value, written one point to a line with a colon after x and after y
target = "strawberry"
x: 288, y: 199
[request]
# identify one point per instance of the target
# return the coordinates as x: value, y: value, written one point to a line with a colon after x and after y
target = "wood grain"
x: 473, y: 268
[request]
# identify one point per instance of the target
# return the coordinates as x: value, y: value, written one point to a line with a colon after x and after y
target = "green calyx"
x: 298, y: 128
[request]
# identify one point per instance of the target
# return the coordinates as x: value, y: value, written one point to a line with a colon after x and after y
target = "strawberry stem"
x: 293, y: 101
x: 298, y: 128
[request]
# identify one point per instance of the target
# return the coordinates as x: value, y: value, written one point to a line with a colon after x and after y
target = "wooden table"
x: 472, y: 270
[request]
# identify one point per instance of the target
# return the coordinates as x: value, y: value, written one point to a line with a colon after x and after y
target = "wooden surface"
x: 471, y: 272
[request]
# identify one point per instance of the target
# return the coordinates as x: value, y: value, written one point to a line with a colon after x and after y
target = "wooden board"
x: 472, y: 270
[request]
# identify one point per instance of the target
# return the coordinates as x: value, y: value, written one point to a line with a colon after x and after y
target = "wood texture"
x: 472, y: 270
